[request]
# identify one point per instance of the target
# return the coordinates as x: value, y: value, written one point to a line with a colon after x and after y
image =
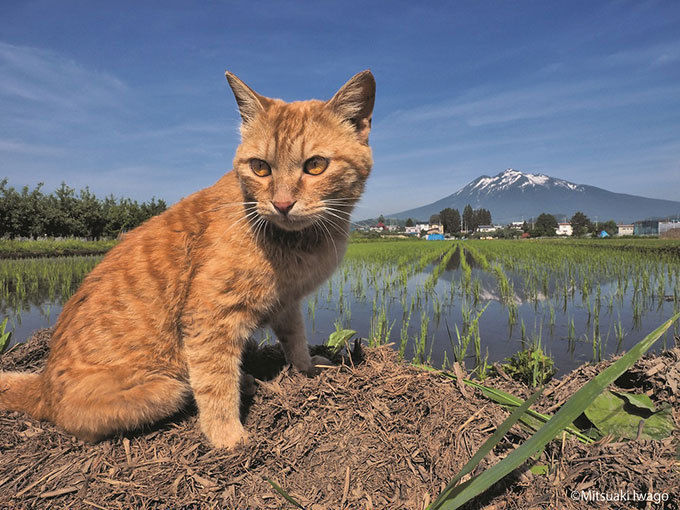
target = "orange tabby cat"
x: 165, y: 315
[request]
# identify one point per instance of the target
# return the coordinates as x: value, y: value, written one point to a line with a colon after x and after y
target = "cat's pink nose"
x: 283, y: 207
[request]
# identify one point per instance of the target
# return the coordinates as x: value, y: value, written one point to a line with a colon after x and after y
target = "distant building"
x: 435, y: 229
x: 517, y: 225
x: 646, y: 228
x: 665, y: 226
x: 626, y: 230
x: 484, y: 229
x: 417, y: 229
x: 564, y: 229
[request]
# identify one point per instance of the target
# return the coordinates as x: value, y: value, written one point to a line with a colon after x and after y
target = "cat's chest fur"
x: 296, y: 267
x: 300, y: 271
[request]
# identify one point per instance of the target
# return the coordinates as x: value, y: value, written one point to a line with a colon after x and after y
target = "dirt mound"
x: 371, y: 433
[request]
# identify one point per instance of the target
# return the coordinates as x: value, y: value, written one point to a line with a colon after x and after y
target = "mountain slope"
x: 513, y: 195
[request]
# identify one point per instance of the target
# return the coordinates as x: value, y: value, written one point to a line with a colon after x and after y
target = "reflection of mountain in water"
x: 488, y: 284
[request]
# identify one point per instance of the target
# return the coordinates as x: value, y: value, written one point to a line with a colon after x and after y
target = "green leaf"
x: 571, y: 409
x: 620, y: 414
x: 4, y: 335
x: 338, y: 339
x: 539, y: 469
x: 641, y: 401
x: 283, y: 493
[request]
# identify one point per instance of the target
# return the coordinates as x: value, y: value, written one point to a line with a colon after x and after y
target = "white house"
x: 483, y: 229
x: 665, y: 226
x: 626, y: 230
x: 415, y: 230
x: 564, y: 229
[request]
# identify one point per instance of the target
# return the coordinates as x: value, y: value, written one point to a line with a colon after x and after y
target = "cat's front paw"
x: 224, y: 435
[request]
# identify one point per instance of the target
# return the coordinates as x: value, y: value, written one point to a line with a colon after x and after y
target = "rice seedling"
x: 403, y: 337
x: 381, y: 327
x: 531, y: 365
x: 380, y: 283
x: 421, y: 341
x: 4, y: 335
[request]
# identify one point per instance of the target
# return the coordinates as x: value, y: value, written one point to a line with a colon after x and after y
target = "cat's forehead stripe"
x: 290, y: 129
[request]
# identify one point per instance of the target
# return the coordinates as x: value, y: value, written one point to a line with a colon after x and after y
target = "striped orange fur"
x: 164, y: 317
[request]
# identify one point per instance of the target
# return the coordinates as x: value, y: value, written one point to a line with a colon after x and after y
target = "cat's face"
x: 304, y: 163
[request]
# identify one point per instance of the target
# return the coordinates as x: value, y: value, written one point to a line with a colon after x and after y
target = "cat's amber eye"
x: 260, y: 167
x: 315, y: 165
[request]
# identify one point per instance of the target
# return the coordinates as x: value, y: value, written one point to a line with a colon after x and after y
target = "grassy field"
x: 13, y: 249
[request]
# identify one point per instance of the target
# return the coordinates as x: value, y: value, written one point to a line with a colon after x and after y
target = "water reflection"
x: 577, y: 318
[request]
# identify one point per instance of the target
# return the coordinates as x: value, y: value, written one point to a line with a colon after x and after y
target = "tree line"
x: 546, y: 225
x: 454, y: 223
x: 64, y: 213
x: 542, y: 226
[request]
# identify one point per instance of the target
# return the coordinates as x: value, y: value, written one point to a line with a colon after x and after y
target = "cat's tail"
x: 22, y: 391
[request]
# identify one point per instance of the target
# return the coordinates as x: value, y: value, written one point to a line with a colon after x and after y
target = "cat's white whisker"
x: 330, y: 236
x: 330, y: 212
x: 242, y: 221
x: 227, y: 204
x: 260, y: 226
x: 344, y: 233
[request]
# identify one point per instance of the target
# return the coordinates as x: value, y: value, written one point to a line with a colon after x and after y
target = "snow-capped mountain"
x: 514, y: 178
x: 513, y: 195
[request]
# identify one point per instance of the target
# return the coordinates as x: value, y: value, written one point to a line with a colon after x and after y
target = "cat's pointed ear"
x: 250, y: 103
x: 354, y: 102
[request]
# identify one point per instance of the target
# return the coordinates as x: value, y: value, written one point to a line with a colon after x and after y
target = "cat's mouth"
x: 291, y: 216
x: 290, y: 222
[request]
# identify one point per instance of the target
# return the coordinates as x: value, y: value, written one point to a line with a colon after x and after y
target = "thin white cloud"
x: 63, y: 120
x: 19, y: 147
x: 531, y: 102
x: 53, y: 80
x: 656, y: 55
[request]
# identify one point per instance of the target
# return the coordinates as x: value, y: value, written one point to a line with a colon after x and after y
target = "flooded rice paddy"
x: 439, y: 301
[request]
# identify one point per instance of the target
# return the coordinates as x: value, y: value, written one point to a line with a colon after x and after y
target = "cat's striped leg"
x: 289, y: 327
x: 212, y: 348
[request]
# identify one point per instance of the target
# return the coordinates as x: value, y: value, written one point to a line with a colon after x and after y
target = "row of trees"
x: 32, y: 213
x: 546, y: 225
x: 453, y: 223
x: 581, y: 225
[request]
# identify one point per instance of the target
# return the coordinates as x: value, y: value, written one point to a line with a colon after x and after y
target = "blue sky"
x: 133, y: 101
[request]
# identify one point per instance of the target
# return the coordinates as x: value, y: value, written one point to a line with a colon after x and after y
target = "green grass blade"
x: 531, y: 418
x: 4, y: 335
x: 567, y: 414
x: 510, y: 400
x: 283, y: 493
x: 488, y: 445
